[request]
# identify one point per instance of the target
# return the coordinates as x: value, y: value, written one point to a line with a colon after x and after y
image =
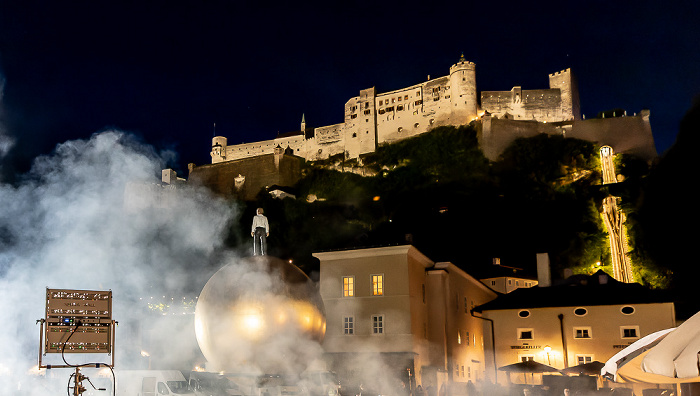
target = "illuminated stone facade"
x: 244, y: 178
x: 373, y: 118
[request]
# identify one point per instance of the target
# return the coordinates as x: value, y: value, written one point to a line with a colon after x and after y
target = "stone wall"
x: 244, y: 178
x: 627, y: 135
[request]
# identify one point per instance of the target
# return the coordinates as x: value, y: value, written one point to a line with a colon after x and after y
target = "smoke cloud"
x: 94, y: 216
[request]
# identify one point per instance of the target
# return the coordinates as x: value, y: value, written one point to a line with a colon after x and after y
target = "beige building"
x: 584, y: 319
x: 392, y: 310
x: 504, y: 279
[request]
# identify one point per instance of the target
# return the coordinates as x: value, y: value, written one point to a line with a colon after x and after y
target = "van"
x: 151, y: 383
x: 242, y: 384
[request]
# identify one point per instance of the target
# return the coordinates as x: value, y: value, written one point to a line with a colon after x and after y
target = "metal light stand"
x: 88, y: 310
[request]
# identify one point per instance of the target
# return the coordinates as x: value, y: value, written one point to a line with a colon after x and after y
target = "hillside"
x: 438, y: 192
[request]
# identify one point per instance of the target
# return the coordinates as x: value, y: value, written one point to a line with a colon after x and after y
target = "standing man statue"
x: 260, y: 231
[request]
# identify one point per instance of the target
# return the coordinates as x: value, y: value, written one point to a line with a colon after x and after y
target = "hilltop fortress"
x: 372, y: 119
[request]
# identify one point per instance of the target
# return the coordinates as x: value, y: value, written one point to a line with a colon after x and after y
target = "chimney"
x: 544, y: 276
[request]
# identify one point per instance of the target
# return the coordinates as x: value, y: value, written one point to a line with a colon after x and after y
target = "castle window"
x: 380, y: 102
x: 399, y: 107
x: 405, y: 97
x: 400, y: 129
x: 390, y: 108
x: 368, y: 112
x: 417, y: 94
x: 352, y: 116
x: 354, y: 134
x: 366, y: 105
x: 415, y: 125
x: 399, y: 98
x: 381, y: 111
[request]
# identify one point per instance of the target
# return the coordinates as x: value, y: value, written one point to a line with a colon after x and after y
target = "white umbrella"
x: 667, y: 356
x: 611, y: 367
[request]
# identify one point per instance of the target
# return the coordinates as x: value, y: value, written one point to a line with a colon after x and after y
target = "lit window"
x: 629, y: 331
x: 349, y: 325
x: 378, y: 324
x: 377, y: 285
x: 582, y: 332
x: 526, y: 358
x: 348, y: 286
x: 459, y: 336
x: 525, y: 334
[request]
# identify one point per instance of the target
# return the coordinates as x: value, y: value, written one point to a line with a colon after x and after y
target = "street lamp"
x: 548, y: 349
x: 147, y: 355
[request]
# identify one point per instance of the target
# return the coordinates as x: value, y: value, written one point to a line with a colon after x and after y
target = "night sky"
x: 168, y: 71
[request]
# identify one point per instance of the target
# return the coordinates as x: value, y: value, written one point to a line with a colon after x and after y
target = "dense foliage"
x: 438, y: 192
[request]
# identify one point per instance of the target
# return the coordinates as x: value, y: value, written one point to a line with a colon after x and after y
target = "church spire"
x: 303, y: 122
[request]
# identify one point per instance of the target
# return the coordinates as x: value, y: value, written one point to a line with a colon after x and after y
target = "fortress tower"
x: 218, y: 149
x: 463, y: 91
x: 565, y: 81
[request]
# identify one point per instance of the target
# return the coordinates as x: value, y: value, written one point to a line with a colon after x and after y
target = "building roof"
x: 502, y: 271
x: 577, y: 290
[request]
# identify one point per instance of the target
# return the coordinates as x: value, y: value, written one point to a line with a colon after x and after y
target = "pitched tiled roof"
x: 578, y: 290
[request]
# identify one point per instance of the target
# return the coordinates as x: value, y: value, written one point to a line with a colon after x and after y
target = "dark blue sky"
x: 168, y: 70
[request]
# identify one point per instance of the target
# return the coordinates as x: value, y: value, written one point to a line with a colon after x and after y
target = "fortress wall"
x: 629, y: 135
x: 247, y: 150
x: 259, y: 172
x: 538, y: 104
x: 398, y: 112
x: 495, y: 135
x: 327, y: 141
x: 371, y: 119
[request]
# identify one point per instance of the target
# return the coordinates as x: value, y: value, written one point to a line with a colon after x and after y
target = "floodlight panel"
x: 78, y: 321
